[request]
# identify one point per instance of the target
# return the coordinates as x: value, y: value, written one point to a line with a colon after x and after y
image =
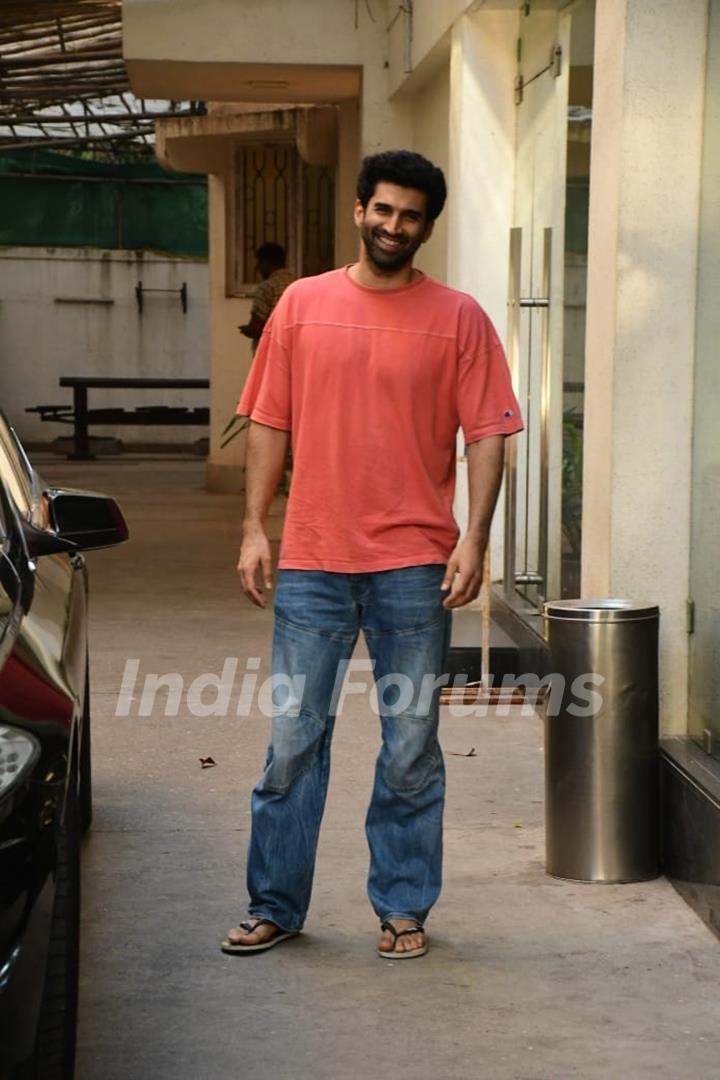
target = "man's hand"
x: 463, y: 575
x: 254, y: 328
x: 465, y: 567
x: 265, y: 458
x: 255, y: 555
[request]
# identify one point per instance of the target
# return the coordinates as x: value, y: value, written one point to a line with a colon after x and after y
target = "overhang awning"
x: 202, y: 143
x: 242, y: 81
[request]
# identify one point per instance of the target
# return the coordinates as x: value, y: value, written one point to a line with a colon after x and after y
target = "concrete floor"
x: 528, y: 978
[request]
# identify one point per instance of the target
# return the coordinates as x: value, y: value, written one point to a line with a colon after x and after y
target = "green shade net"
x: 577, y: 209
x: 51, y: 200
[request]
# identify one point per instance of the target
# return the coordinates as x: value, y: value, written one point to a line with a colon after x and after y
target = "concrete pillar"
x: 480, y: 182
x: 644, y: 206
x: 230, y: 352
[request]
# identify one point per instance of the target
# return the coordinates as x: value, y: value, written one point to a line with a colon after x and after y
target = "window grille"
x: 277, y: 196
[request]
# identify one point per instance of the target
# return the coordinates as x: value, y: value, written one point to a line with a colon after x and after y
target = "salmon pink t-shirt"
x: 373, y: 384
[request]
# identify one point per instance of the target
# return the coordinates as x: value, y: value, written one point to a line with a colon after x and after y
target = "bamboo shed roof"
x: 63, y: 81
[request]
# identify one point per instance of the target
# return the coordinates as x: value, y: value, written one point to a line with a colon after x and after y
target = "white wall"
x: 43, y: 337
x: 254, y: 31
x: 431, y: 137
x: 481, y: 182
x: 431, y: 20
x: 482, y: 158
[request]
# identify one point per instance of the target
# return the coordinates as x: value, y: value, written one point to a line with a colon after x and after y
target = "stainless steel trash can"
x: 601, y: 764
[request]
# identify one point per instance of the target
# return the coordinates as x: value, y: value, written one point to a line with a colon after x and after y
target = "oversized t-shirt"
x: 373, y: 384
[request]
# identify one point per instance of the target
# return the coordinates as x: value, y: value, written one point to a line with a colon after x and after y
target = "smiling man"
x: 370, y: 370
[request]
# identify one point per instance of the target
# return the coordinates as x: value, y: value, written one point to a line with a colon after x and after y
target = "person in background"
x: 275, y: 280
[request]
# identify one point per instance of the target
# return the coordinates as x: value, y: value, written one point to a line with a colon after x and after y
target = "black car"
x: 45, y: 778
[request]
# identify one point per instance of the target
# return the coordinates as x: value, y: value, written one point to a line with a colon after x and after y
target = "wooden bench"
x: 81, y: 417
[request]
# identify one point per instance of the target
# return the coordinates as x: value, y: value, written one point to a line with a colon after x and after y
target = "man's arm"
x: 254, y: 328
x: 259, y: 312
x: 264, y: 465
x: 464, y: 569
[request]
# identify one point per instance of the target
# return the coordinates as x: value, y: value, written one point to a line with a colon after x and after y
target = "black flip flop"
x: 282, y: 935
x: 406, y: 954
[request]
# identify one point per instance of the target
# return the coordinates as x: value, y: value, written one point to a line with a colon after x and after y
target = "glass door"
x: 536, y: 302
x: 577, y: 197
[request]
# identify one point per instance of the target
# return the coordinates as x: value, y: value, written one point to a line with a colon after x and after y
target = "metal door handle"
x: 528, y: 577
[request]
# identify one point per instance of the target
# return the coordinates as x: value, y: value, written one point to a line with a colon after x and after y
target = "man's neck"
x: 364, y: 272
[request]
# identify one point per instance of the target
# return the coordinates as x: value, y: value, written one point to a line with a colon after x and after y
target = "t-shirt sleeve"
x: 262, y: 301
x: 486, y: 402
x: 266, y: 396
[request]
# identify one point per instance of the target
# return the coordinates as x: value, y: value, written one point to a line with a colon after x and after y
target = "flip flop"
x: 406, y: 954
x: 282, y: 935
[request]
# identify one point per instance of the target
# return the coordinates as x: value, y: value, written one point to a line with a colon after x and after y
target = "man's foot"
x: 402, y: 939
x: 255, y: 935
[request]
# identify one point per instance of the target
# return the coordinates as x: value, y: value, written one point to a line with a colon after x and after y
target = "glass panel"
x: 547, y: 344
x: 531, y: 548
x: 704, y: 684
x: 577, y: 194
x: 574, y: 374
x: 536, y: 325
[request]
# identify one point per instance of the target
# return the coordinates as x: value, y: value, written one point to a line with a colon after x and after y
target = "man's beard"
x: 385, y: 260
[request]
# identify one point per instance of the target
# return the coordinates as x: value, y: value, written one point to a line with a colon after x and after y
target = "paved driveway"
x: 528, y: 978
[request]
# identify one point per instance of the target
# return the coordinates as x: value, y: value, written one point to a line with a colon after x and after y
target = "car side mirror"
x: 43, y: 542
x: 84, y: 519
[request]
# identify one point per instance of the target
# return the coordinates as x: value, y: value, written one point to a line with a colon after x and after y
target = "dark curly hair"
x: 407, y: 169
x: 272, y: 253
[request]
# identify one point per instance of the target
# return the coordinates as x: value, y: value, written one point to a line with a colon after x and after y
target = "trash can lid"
x: 606, y: 609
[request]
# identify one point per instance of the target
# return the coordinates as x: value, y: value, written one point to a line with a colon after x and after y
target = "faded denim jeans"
x: 318, y: 617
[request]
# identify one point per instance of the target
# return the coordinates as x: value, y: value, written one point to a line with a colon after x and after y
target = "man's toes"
x: 238, y: 936
x: 404, y: 943
x: 411, y: 941
x: 386, y: 942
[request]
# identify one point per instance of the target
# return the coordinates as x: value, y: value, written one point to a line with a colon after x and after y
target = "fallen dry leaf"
x: 207, y: 763
x: 456, y: 753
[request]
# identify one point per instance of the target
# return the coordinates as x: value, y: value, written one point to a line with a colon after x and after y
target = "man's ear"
x: 358, y: 212
x: 428, y: 231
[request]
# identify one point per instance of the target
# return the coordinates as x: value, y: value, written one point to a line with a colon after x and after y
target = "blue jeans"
x: 318, y: 617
